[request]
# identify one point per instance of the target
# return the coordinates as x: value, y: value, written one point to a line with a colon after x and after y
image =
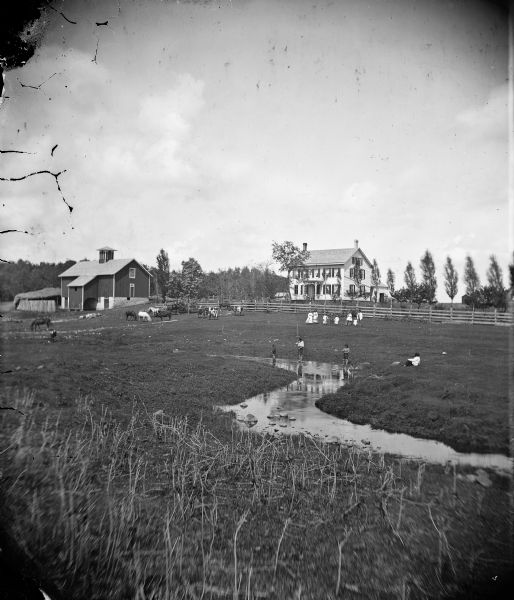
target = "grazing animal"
x: 153, y: 310
x: 53, y: 335
x: 238, y: 310
x: 203, y: 312
x: 213, y: 312
x: 173, y: 308
x: 130, y: 314
x: 162, y: 313
x: 37, y: 322
x: 143, y: 316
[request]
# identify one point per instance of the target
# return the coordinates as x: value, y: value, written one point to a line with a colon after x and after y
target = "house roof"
x: 93, y: 268
x: 49, y: 292
x: 338, y: 256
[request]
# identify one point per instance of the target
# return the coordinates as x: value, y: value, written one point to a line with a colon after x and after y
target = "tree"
x: 511, y: 271
x: 451, y: 279
x: 175, y: 284
x: 192, y: 276
x: 410, y: 278
x: 390, y: 281
x: 471, y: 280
x: 162, y: 273
x: 375, y: 278
x: 429, y: 280
x: 495, y: 280
x: 288, y: 256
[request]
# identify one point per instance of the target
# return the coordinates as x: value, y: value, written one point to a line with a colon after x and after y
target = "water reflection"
x: 291, y: 410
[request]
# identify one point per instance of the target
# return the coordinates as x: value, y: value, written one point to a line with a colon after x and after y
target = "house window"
x: 317, y: 273
x: 296, y: 290
x: 352, y: 289
x: 352, y: 271
x: 362, y: 273
x: 132, y: 273
x: 132, y: 290
x: 318, y: 287
x: 301, y: 289
x: 339, y: 272
x: 362, y: 290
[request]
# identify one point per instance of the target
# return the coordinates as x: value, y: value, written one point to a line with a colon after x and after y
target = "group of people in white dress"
x: 353, y: 317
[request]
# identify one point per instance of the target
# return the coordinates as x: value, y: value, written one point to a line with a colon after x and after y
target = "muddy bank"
x: 404, y: 401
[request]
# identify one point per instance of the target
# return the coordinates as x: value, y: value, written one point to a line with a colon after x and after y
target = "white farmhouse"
x: 334, y: 274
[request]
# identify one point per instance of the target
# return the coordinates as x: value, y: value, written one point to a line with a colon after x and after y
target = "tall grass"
x: 157, y: 508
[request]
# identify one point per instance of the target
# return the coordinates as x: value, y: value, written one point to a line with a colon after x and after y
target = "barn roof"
x: 92, y: 268
x: 80, y: 281
x: 49, y: 292
x: 337, y: 256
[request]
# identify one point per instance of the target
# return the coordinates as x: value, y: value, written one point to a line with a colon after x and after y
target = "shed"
x: 45, y: 300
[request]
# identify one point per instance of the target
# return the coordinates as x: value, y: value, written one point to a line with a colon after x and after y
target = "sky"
x: 211, y: 129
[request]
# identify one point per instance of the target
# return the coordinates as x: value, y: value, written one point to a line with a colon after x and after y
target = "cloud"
x: 360, y: 191
x: 488, y: 120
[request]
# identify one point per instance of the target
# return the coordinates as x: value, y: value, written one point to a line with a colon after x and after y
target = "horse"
x: 130, y: 314
x: 203, y: 312
x: 238, y: 310
x: 163, y: 312
x: 143, y: 316
x: 153, y: 310
x: 40, y: 321
x: 213, y: 312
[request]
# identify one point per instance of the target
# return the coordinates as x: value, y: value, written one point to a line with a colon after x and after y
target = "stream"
x: 291, y: 410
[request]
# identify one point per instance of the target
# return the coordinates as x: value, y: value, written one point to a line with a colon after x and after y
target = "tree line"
x: 192, y: 283
x: 24, y: 276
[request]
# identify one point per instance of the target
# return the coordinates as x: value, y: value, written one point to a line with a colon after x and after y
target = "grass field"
x: 120, y: 481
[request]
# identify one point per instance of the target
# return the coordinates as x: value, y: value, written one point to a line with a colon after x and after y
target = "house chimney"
x: 304, y: 246
x: 356, y: 244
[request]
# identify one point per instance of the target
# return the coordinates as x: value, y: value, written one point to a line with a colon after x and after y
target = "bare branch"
x: 55, y: 175
x: 104, y: 23
x: 96, y: 51
x: 62, y: 14
x: 15, y: 152
x: 52, y: 152
x: 14, y: 231
x: 36, y: 87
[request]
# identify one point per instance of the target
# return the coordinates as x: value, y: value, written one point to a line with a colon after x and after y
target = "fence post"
x: 472, y: 315
x: 430, y: 314
x: 374, y: 310
x: 495, y: 316
x: 391, y: 308
x: 451, y: 313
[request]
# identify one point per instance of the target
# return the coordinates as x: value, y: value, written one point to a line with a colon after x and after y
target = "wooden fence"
x: 472, y: 317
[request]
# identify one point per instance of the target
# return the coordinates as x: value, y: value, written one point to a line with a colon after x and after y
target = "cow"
x: 162, y: 313
x: 213, y: 312
x: 238, y: 310
x: 203, y: 312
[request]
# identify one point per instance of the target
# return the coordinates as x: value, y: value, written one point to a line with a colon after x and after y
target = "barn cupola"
x: 106, y: 254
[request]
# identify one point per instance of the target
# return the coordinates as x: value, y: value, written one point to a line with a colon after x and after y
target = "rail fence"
x: 472, y: 317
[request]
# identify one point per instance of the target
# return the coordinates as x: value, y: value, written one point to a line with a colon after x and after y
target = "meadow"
x: 120, y: 480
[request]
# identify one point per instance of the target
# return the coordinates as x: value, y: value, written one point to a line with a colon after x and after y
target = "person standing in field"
x: 336, y: 320
x: 273, y: 354
x: 346, y: 355
x: 300, y: 344
x: 354, y: 317
x: 360, y: 316
x: 348, y: 318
